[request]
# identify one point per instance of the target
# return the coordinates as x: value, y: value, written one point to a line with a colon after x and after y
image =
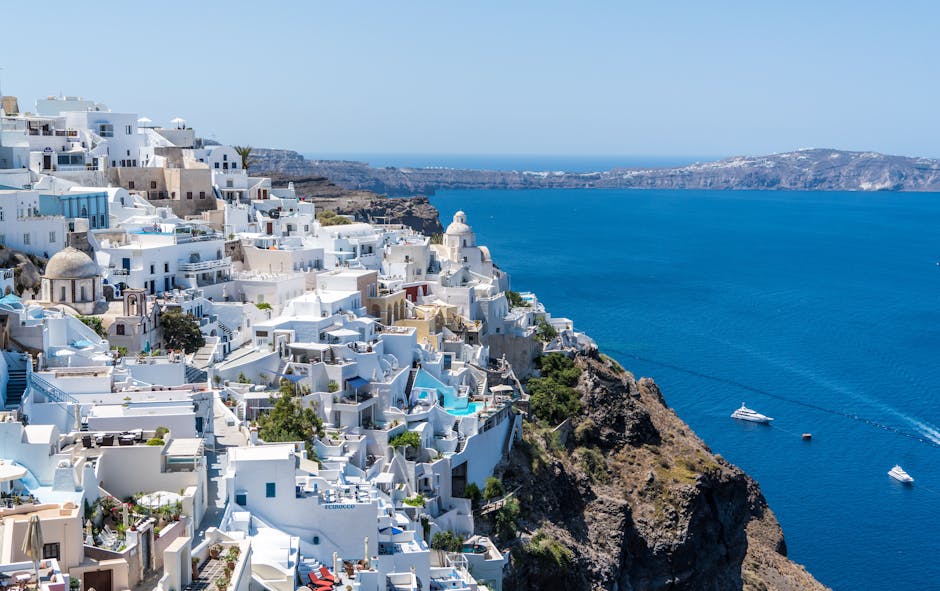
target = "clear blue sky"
x: 653, y: 78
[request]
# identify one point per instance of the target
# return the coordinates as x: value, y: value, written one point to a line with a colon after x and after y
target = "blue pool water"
x: 462, y: 412
x: 819, y: 309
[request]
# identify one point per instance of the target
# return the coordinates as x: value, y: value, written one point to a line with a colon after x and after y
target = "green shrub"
x: 447, y: 541
x: 331, y: 218
x: 415, y: 501
x: 545, y: 332
x: 263, y: 306
x: 507, y: 518
x: 515, y: 300
x: 493, y: 488
x: 155, y: 441
x: 408, y: 438
x: 548, y: 554
x: 161, y: 431
x: 472, y: 492
x: 592, y: 461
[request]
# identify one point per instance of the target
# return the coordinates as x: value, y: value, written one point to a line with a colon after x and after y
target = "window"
x: 173, y: 195
x: 130, y: 184
x: 241, y: 499
x: 1, y: 214
x: 128, y: 151
x: 153, y: 184
x: 119, y: 329
x: 50, y: 551
x: 216, y: 164
x: 101, y: 220
x: 225, y: 157
x: 189, y: 194
x: 51, y: 237
x: 152, y: 271
x: 166, y: 267
x: 127, y: 131
x: 270, y: 490
x: 225, y: 166
x: 229, y: 184
x: 25, y: 238
x: 105, y: 130
x: 202, y: 195
x: 62, y: 294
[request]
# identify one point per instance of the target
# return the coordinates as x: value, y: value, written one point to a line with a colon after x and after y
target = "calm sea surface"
x: 819, y: 309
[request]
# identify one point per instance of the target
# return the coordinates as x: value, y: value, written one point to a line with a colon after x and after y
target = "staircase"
x: 16, y: 387
x: 195, y: 375
x: 412, y: 374
x: 225, y: 329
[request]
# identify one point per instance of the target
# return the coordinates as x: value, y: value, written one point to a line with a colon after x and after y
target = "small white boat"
x: 746, y: 414
x: 900, y: 475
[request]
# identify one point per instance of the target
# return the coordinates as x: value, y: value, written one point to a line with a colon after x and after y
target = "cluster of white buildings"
x: 146, y: 466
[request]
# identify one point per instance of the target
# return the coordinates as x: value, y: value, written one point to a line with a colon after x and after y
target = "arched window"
x: 82, y: 293
x: 62, y: 292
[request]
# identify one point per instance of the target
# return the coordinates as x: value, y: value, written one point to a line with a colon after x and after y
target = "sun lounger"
x: 326, y: 575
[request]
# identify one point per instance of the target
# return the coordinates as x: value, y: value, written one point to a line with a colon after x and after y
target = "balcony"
x: 200, y: 266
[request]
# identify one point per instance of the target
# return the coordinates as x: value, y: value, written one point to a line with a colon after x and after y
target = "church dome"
x: 459, y: 225
x: 71, y: 263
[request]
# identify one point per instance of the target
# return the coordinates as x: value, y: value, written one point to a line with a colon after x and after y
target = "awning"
x: 358, y: 382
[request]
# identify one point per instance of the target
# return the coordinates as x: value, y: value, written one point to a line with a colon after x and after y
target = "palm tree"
x: 245, y: 153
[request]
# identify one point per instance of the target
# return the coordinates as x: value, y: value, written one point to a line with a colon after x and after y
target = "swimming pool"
x: 472, y: 408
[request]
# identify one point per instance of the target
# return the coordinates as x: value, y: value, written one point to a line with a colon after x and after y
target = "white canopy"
x: 161, y: 498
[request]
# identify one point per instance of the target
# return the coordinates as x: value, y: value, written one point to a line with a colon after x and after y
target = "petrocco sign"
x: 337, y: 507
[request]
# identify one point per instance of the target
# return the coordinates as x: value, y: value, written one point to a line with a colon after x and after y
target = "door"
x: 99, y: 580
x: 47, y: 162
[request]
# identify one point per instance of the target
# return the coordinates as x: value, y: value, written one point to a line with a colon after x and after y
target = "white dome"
x: 459, y: 225
x: 71, y: 263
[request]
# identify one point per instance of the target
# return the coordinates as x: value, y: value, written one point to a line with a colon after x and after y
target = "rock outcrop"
x: 811, y: 170
x: 27, y: 270
x: 416, y: 212
x: 629, y: 499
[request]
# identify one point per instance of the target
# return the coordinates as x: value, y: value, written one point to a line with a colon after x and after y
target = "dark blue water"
x: 537, y: 162
x: 819, y: 309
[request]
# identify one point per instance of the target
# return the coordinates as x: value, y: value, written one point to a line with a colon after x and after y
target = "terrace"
x: 21, y: 576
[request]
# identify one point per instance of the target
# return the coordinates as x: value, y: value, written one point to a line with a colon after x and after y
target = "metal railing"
x: 53, y: 393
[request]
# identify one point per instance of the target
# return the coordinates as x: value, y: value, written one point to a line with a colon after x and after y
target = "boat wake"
x: 924, y: 433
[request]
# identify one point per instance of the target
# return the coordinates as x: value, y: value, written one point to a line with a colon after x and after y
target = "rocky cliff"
x: 817, y: 169
x: 416, y: 212
x: 625, y: 497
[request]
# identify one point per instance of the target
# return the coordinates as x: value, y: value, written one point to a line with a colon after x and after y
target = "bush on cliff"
x: 331, y: 218
x: 493, y: 488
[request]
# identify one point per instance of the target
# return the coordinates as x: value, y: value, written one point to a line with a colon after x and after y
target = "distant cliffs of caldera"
x: 802, y: 170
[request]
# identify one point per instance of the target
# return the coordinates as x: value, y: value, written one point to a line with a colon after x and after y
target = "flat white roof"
x: 262, y: 452
x: 186, y: 446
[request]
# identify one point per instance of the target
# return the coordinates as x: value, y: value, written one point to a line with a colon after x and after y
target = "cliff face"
x: 366, y: 206
x: 637, y: 502
x: 818, y: 169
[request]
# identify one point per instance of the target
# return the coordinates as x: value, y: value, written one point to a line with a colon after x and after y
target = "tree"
x: 447, y: 541
x: 545, y: 332
x: 245, y: 153
x: 515, y: 300
x: 181, y: 331
x: 493, y: 488
x: 288, y: 421
x: 94, y: 323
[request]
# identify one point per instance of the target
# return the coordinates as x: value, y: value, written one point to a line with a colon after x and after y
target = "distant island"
x: 801, y: 170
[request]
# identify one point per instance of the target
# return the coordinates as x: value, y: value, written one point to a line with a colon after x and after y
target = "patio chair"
x: 107, y: 440
x: 86, y: 441
x: 126, y: 439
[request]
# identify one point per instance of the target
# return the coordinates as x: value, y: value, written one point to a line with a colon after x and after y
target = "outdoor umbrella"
x: 32, y: 542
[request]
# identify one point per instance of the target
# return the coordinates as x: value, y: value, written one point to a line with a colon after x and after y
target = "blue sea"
x: 819, y: 309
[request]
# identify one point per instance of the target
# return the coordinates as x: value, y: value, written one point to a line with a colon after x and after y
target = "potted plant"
x: 195, y: 566
x: 222, y: 583
x: 215, y: 550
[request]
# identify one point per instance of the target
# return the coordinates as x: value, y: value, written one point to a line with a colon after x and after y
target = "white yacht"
x: 900, y: 475
x: 746, y: 414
